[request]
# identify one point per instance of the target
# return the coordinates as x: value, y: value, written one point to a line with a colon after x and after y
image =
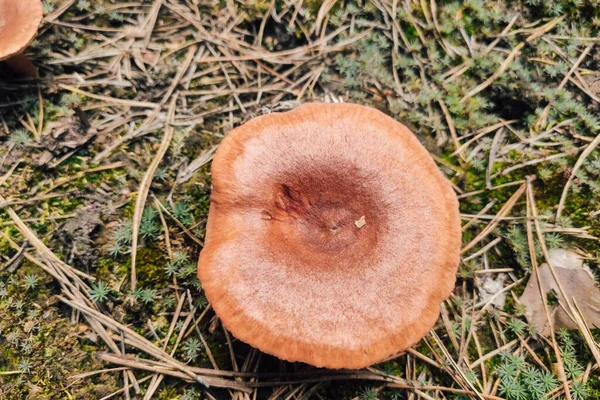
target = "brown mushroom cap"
x: 332, y: 237
x: 19, y: 22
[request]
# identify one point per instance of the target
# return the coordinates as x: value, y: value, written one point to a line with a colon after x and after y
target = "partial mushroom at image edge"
x: 19, y: 22
x: 332, y: 237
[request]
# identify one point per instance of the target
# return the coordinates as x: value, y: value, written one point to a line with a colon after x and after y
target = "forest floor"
x: 100, y: 230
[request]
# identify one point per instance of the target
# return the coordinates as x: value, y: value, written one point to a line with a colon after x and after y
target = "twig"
x: 145, y: 187
x: 588, y: 150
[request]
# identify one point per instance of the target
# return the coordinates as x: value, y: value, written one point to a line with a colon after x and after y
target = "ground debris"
x: 77, y: 232
x: 577, y: 281
x: 489, y: 286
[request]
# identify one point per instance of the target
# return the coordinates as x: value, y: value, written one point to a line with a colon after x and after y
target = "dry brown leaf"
x: 578, y: 283
x: 489, y: 286
x: 593, y: 82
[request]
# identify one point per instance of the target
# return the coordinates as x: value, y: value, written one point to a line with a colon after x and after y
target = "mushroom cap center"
x: 316, y: 216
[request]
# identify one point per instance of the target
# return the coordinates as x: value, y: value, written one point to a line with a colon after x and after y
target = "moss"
x: 150, y: 268
x: 106, y: 267
x: 54, y: 351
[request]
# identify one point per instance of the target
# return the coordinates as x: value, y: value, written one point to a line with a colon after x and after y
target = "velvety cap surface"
x: 332, y: 237
x: 19, y: 22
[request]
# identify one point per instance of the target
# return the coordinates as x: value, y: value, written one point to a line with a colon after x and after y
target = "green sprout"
x: 171, y: 269
x: 123, y: 234
x: 516, y: 326
x: 149, y: 227
x: 182, y: 212
x: 369, y: 394
x: 31, y: 281
x: 117, y: 249
x: 192, y: 348
x: 146, y: 296
x: 19, y: 138
x: 99, y: 292
x: 25, y: 366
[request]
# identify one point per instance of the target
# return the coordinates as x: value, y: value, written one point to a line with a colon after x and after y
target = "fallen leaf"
x: 489, y: 286
x: 593, y: 82
x: 44, y: 158
x: 567, y: 258
x: 577, y: 282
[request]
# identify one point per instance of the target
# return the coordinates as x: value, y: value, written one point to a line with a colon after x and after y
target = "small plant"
x: 83, y: 5
x: 192, y: 347
x: 179, y: 257
x: 25, y: 366
x: 47, y: 7
x: 115, y: 16
x: 580, y: 391
x: 99, y: 292
x: 517, y: 326
x: 189, y: 269
x: 117, y: 249
x: 146, y: 296
x: 190, y: 394
x: 161, y: 174
x: 123, y: 234
x: 369, y: 394
x: 554, y: 240
x: 168, y: 301
x: 32, y: 313
x: 27, y: 345
x: 182, y: 212
x: 18, y: 305
x: 201, y: 302
x: 172, y: 269
x: 13, y: 338
x: 149, y: 227
x: 19, y: 138
x: 521, y: 381
x: 31, y: 281
x: 513, y: 389
x: 70, y: 100
x: 573, y: 369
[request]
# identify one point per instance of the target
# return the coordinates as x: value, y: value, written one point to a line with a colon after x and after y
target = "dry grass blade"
x: 588, y: 150
x: 531, y: 214
x: 195, y: 165
x: 111, y: 100
x: 544, y: 116
x: 135, y: 339
x: 283, y: 378
x: 587, y: 334
x: 464, y: 381
x: 492, y: 225
x: 182, y: 226
x: 511, y: 56
x: 44, y: 250
x: 145, y: 187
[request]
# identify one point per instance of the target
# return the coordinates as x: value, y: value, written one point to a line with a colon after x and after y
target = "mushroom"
x: 19, y: 22
x: 332, y: 237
